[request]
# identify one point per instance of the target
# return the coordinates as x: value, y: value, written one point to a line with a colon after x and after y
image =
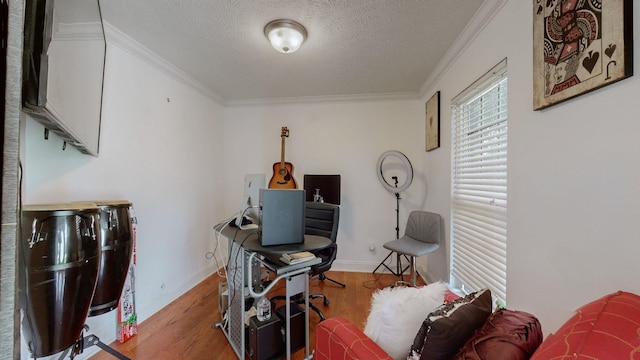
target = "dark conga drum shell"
x: 117, y: 247
x: 60, y: 257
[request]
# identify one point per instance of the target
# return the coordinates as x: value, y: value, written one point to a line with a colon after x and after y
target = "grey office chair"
x: 422, y: 236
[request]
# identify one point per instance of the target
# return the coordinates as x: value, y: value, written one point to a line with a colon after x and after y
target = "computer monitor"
x: 281, y: 216
x: 327, y: 187
x: 251, y: 200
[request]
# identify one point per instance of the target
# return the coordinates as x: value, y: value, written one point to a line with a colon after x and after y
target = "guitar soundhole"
x: 285, y: 174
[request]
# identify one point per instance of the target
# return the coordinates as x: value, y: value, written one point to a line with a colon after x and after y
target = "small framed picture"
x: 432, y: 122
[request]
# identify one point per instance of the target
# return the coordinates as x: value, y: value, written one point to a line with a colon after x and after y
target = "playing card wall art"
x: 579, y: 46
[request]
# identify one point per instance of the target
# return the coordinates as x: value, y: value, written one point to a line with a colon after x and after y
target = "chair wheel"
x: 325, y: 302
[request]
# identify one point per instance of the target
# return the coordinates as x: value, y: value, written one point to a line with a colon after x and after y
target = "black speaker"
x: 298, y: 330
x: 264, y: 339
x: 281, y: 216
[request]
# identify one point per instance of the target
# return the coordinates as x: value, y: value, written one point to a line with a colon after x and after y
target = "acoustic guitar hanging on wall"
x: 283, y: 171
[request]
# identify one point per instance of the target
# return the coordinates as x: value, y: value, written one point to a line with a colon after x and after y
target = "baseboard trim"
x: 368, y: 266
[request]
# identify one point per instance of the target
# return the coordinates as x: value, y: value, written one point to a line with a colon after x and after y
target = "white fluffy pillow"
x: 397, y: 314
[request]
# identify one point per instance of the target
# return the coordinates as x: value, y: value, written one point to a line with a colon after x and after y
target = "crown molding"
x: 134, y: 48
x: 325, y: 99
x: 123, y: 41
x: 480, y: 20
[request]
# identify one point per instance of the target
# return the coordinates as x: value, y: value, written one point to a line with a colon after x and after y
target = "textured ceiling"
x: 354, y: 47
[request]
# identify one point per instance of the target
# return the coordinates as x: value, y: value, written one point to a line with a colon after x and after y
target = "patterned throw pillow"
x: 447, y: 328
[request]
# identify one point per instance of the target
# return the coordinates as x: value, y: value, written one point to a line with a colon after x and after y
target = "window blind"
x: 479, y: 185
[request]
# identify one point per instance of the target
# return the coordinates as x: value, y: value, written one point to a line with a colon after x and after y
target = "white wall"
x: 345, y: 138
x: 161, y: 147
x: 571, y: 167
x: 572, y: 195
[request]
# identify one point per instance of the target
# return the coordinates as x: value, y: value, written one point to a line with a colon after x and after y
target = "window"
x: 479, y: 185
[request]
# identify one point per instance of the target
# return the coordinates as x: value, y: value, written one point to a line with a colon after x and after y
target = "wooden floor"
x: 185, y: 329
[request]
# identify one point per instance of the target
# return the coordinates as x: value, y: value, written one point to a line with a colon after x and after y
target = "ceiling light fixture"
x: 286, y: 36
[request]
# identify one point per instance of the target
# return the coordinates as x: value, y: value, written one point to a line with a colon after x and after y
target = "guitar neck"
x: 282, y: 153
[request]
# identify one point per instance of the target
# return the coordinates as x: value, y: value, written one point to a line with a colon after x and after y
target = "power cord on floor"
x: 368, y: 283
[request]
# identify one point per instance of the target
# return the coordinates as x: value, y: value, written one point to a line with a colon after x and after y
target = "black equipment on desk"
x: 281, y: 216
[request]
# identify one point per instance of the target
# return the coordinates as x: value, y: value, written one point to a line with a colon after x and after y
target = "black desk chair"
x: 321, y: 219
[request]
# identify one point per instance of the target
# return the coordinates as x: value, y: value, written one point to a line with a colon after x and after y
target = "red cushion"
x: 450, y: 296
x: 337, y: 338
x: 608, y: 328
x: 506, y: 335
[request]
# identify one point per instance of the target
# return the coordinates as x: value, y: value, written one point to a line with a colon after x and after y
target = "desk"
x: 243, y: 278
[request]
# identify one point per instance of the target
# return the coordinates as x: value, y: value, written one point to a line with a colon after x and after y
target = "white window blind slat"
x: 480, y: 263
x: 487, y: 255
x: 482, y: 280
x: 488, y: 171
x: 489, y: 144
x: 480, y: 196
x: 481, y: 205
x: 490, y: 185
x: 490, y: 223
x: 481, y: 227
x: 479, y: 185
x: 489, y: 243
x: 475, y: 150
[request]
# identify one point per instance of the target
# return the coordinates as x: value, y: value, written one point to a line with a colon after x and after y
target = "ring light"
x: 406, y: 164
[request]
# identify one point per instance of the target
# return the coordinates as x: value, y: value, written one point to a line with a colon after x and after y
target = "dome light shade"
x: 285, y: 36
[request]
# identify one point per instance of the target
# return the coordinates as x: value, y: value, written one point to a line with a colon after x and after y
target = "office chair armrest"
x: 330, y: 252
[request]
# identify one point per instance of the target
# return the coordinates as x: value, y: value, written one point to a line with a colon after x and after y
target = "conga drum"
x: 60, y: 257
x: 117, y: 246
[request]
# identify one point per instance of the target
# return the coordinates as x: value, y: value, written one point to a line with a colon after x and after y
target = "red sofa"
x: 607, y: 328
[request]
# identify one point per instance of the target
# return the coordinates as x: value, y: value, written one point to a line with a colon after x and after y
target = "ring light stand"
x: 395, y: 180
x: 395, y: 189
x: 408, y: 169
